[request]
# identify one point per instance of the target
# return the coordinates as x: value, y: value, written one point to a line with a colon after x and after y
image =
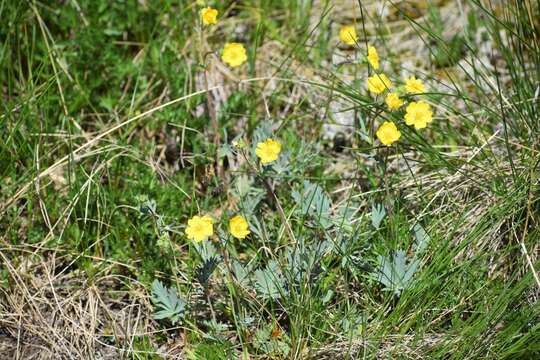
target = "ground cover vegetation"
x: 270, y: 179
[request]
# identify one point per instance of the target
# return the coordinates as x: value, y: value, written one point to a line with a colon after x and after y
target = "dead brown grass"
x: 52, y: 312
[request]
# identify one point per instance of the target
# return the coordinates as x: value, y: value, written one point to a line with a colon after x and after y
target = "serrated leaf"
x: 274, y: 347
x: 241, y: 273
x: 421, y: 237
x: 268, y: 282
x: 304, y: 262
x: 251, y: 201
x: 225, y: 150
x: 377, y: 215
x: 242, y: 185
x: 313, y: 201
x: 206, y: 269
x: 256, y: 227
x: 394, y: 272
x: 281, y: 165
x: 163, y: 314
x: 344, y: 218
x: 206, y: 250
x: 168, y: 304
x: 262, y: 132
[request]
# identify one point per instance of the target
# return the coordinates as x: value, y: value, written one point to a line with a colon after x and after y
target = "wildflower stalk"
x: 210, y: 104
x: 214, y: 119
x: 232, y: 287
x: 270, y: 190
x: 273, y: 196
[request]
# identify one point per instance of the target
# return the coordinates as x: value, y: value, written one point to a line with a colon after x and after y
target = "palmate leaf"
x: 394, y: 272
x: 247, y: 195
x: 344, y: 217
x: 281, y: 165
x: 377, y: 215
x: 274, y: 347
x: 304, y: 262
x: 204, y: 271
x: 242, y: 186
x: 241, y: 272
x: 315, y: 202
x: 210, y: 261
x: 421, y: 237
x: 167, y: 303
x: 262, y: 132
x: 206, y: 250
x: 269, y: 282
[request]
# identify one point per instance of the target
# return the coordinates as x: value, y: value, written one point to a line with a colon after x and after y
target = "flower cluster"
x: 200, y: 228
x: 417, y: 113
x: 234, y: 54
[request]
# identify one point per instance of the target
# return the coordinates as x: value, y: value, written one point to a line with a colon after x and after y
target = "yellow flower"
x: 268, y: 151
x: 234, y: 54
x: 378, y: 83
x: 347, y: 35
x: 393, y: 101
x: 209, y: 16
x: 388, y: 133
x: 414, y: 86
x: 238, y: 227
x: 200, y: 228
x: 418, y: 114
x: 373, y: 57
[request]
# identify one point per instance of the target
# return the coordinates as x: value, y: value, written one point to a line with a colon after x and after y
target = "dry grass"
x: 51, y: 312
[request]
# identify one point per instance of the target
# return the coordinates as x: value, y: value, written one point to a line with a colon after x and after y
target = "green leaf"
x: 269, y: 282
x: 377, y: 215
x: 242, y: 185
x: 206, y: 250
x: 241, y: 273
x: 395, y: 273
x: 167, y: 303
x: 206, y: 269
x: 313, y: 201
x: 225, y: 150
x: 344, y: 218
x: 422, y: 238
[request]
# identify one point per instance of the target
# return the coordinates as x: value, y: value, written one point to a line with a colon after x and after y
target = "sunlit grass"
x: 270, y: 179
